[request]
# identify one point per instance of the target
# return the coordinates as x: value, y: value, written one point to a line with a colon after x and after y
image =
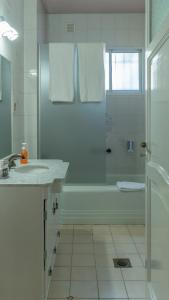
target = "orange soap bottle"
x: 24, y: 153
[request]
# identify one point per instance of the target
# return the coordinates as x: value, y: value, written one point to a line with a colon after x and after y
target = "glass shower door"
x: 73, y: 132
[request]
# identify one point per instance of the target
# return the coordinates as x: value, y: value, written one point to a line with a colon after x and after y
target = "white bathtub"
x: 85, y: 204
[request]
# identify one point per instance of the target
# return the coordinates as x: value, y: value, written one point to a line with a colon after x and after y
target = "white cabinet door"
x: 158, y: 167
x: 52, y: 233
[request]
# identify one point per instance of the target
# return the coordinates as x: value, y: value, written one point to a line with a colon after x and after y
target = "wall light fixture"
x: 7, y: 31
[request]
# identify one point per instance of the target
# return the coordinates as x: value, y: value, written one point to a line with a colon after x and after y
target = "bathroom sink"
x: 32, y: 169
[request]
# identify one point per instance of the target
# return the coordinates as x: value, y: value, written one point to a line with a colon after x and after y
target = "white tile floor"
x: 84, y: 266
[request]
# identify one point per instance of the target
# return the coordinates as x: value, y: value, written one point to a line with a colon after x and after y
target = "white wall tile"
x: 80, y: 21
x: 30, y: 83
x: 93, y: 35
x: 107, y: 22
x: 93, y: 22
x: 30, y: 105
x: 30, y: 9
x: 34, y: 33
x: 30, y: 50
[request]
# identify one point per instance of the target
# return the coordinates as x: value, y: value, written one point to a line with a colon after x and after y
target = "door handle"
x: 50, y: 272
x: 108, y: 150
x: 144, y: 146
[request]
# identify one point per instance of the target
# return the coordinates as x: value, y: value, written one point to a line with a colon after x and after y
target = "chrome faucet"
x: 11, y: 159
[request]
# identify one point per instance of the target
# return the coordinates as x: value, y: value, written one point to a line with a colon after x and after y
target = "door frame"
x: 151, y: 50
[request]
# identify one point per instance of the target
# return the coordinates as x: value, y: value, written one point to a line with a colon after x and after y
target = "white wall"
x: 34, y: 32
x: 125, y: 115
x: 159, y: 11
x: 12, y: 10
x: 41, y: 22
x: 30, y: 75
x: 118, y: 29
x: 29, y: 20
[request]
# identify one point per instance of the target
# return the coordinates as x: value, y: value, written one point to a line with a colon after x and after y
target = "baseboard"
x: 102, y: 217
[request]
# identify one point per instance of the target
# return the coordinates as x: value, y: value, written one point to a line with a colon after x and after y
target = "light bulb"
x: 7, y: 31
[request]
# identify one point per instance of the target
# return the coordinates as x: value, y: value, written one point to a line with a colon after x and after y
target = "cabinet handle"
x: 50, y: 272
x: 57, y: 205
x: 54, y: 208
x: 108, y: 150
x: 58, y: 234
x: 54, y: 250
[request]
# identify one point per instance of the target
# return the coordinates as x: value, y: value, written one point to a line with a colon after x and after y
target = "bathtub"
x: 101, y: 204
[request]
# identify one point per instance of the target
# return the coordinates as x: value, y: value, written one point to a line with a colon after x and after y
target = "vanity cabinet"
x: 51, y: 233
x: 29, y: 236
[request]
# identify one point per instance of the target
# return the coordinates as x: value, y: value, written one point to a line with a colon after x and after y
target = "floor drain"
x: 70, y: 298
x: 122, y: 263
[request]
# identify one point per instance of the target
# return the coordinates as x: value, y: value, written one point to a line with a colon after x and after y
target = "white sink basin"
x: 32, y: 169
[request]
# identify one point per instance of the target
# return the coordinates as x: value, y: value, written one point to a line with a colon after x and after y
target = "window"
x: 123, y: 71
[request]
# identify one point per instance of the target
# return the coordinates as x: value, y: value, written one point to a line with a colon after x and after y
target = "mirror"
x: 5, y: 108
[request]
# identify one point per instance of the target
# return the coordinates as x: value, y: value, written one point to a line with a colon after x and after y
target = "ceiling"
x: 94, y: 6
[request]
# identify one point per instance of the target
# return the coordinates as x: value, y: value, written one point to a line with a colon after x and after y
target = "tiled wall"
x: 117, y: 29
x: 125, y: 115
x: 159, y: 11
x: 34, y: 33
x: 12, y: 10
x: 41, y: 22
x: 30, y: 75
x: 125, y: 121
x: 29, y: 20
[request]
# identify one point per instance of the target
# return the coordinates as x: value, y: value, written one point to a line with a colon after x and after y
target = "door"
x: 158, y: 167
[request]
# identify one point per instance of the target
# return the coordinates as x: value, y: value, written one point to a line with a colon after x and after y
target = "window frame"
x: 141, y: 71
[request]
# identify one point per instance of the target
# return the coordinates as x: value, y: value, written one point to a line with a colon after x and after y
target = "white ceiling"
x: 94, y: 6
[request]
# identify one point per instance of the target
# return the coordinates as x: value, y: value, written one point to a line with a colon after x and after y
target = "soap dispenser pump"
x: 24, y: 153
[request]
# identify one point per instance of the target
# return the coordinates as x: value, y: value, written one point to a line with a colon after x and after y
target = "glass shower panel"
x: 73, y: 132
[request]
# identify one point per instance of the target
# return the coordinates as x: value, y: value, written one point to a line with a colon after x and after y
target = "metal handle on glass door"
x: 50, y: 272
x: 54, y: 250
x: 58, y: 234
x: 54, y: 208
x: 108, y: 150
x: 56, y: 203
x: 144, y: 146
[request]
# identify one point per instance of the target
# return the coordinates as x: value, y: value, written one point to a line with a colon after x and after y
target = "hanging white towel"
x: 91, y: 72
x: 130, y: 186
x: 61, y: 69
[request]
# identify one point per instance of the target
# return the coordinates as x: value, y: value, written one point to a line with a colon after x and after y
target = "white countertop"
x: 57, y: 171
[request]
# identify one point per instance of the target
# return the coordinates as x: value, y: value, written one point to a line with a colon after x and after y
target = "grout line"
x: 71, y: 265
x: 114, y: 244
x: 124, y: 283
x: 135, y: 244
x: 94, y: 255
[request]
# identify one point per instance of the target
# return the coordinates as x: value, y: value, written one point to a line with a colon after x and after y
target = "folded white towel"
x: 61, y: 69
x: 130, y: 186
x: 91, y: 72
